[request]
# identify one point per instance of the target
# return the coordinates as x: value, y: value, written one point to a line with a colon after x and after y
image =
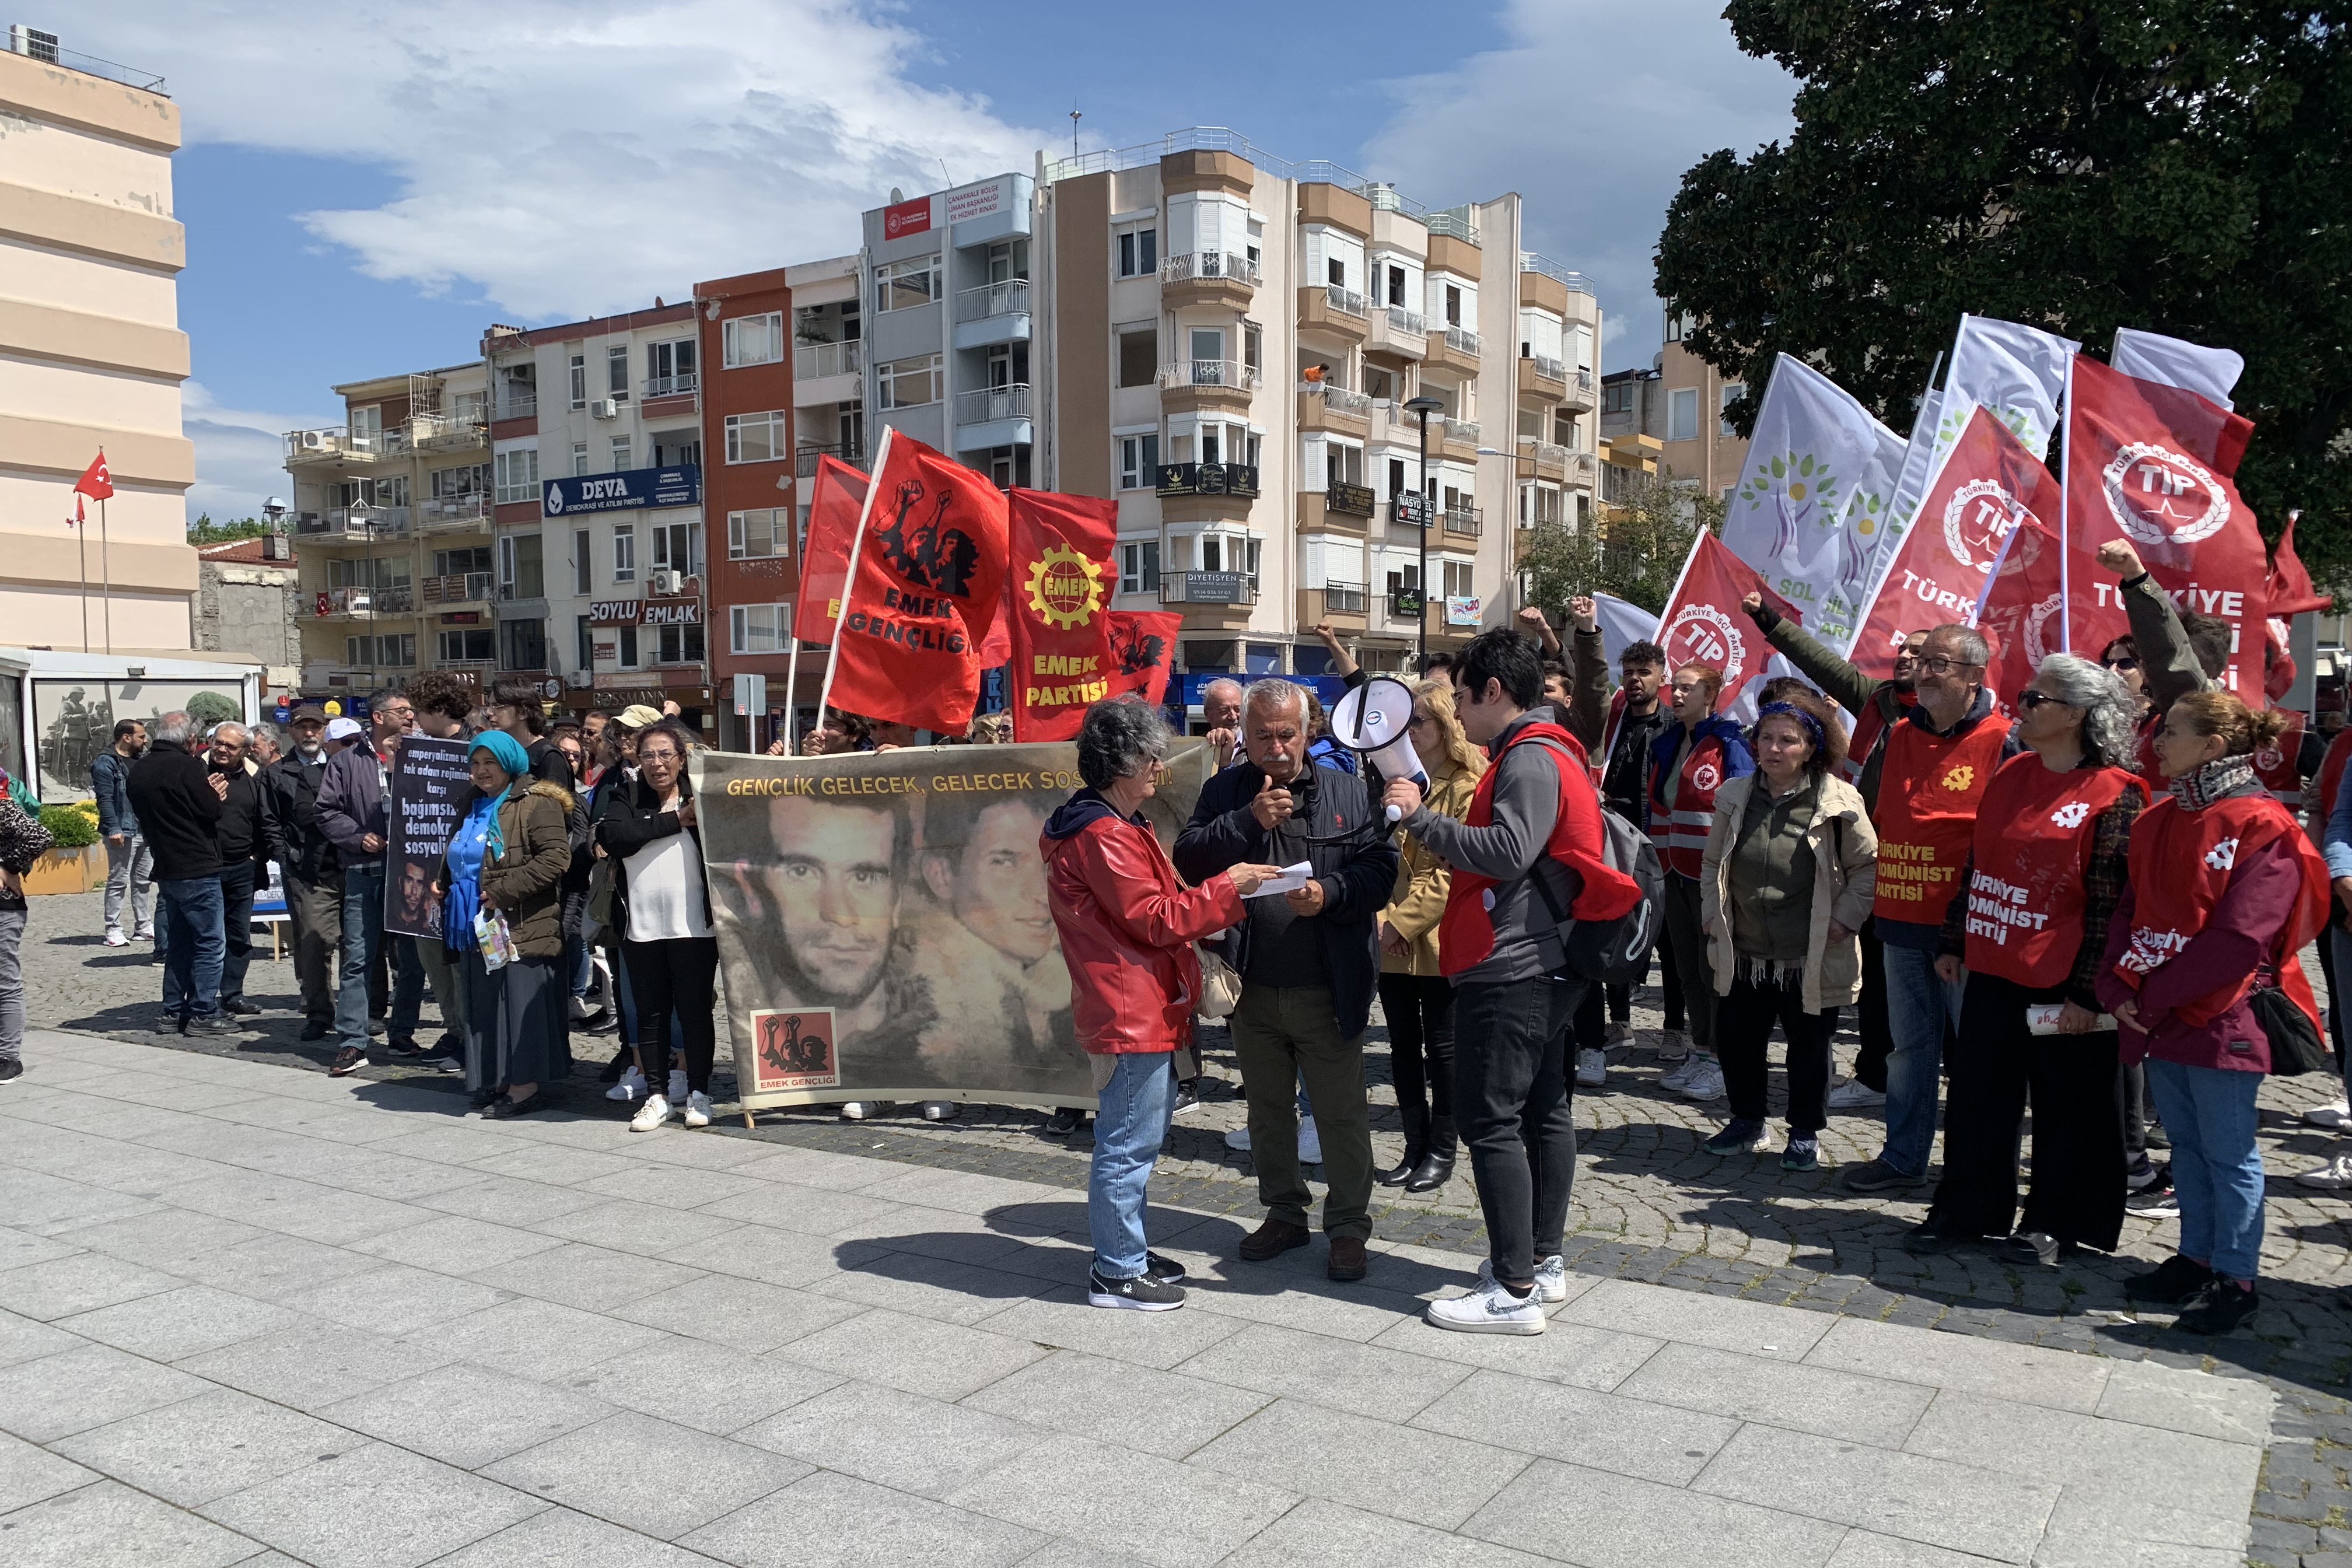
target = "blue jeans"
x: 1917, y: 1004
x: 194, y: 945
x: 362, y: 933
x: 2208, y: 1112
x: 1132, y: 1117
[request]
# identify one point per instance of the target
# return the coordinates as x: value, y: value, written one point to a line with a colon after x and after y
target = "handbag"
x: 1221, y: 988
x: 2295, y: 1045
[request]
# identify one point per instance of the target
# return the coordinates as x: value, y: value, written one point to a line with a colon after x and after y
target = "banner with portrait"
x: 883, y: 925
x: 428, y: 779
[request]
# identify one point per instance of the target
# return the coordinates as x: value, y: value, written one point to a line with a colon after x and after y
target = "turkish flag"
x: 2289, y: 587
x: 836, y: 496
x: 1978, y: 546
x: 1705, y: 624
x: 925, y: 575
x: 1143, y: 650
x: 2153, y: 464
x: 94, y: 481
x: 1058, y: 609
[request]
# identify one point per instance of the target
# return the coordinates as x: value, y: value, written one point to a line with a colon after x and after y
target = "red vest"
x: 1466, y: 933
x: 2276, y: 764
x: 1680, y: 835
x: 1928, y: 788
x: 2031, y: 844
x: 1869, y: 729
x: 2331, y: 780
x: 2181, y: 867
x: 2151, y: 771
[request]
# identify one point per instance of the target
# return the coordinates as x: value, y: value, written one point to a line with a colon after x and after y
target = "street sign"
x: 751, y: 696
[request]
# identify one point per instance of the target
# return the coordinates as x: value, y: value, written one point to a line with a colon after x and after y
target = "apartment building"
x: 1701, y: 448
x: 1228, y: 342
x: 91, y: 355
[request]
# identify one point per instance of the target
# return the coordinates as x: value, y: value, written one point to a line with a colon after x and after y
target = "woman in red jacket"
x: 1128, y: 925
x: 2224, y: 889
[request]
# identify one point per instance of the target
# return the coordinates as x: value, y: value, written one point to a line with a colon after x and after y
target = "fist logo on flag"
x: 1701, y: 634
x: 2159, y: 496
x: 1960, y: 777
x: 2072, y: 814
x: 2222, y: 856
x: 1977, y: 519
x: 1064, y: 588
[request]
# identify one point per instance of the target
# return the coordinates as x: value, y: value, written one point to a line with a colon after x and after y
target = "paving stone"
x: 1564, y: 1352
x: 111, y: 1524
x: 1408, y: 1473
x: 1617, y: 1522
x: 392, y: 1295
x: 929, y: 1287
x: 532, y: 1338
x: 899, y: 1440
x: 1167, y: 1413
x: 205, y: 1447
x: 2229, y: 1409
x: 1062, y: 1319
x: 80, y: 1283
x: 696, y: 1384
x: 313, y: 1366
x: 1749, y: 1328
x: 561, y: 1538
x: 942, y: 1361
x: 74, y: 1390
x: 22, y: 1339
x: 375, y: 1507
x: 1577, y: 1426
x: 744, y: 1314
x: 830, y: 1520
x: 1320, y: 1534
x: 697, y: 1477
x: 2034, y: 1376
x: 28, y: 1474
x: 1384, y: 1384
x: 774, y: 1255
x: 1076, y: 1486
x: 467, y: 1416
x: 452, y: 1244
x: 273, y: 1266
x: 2142, y: 1465
x: 593, y: 1279
x: 1801, y: 1398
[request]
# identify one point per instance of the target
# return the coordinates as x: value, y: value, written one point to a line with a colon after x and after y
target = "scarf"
x: 2217, y: 780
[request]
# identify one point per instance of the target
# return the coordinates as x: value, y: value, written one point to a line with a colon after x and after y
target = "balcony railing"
x: 354, y: 522
x: 1339, y: 399
x: 671, y: 386
x: 478, y: 670
x: 1408, y: 321
x: 519, y: 405
x: 1468, y: 430
x: 982, y: 405
x: 1462, y: 340
x: 1342, y: 598
x: 811, y: 361
x: 1351, y: 500
x: 1208, y: 263
x: 1454, y: 222
x: 1577, y: 282
x: 1208, y: 480
x: 1582, y: 379
x: 1469, y: 521
x: 442, y: 430
x: 1547, y: 367
x: 331, y: 441
x: 1544, y: 451
x: 1407, y: 510
x: 1207, y: 588
x: 1010, y: 298
x: 444, y: 512
x: 804, y: 458
x: 1347, y: 302
x: 1210, y: 373
x: 394, y: 601
x: 456, y: 588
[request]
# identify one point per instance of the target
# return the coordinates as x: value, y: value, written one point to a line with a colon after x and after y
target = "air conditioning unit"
x: 604, y: 408
x: 667, y: 582
x: 33, y: 44
x: 314, y: 440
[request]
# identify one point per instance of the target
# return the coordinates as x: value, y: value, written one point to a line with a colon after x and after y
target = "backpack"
x: 1615, y: 952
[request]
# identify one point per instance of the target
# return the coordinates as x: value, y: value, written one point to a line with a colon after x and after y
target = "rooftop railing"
x: 1577, y: 282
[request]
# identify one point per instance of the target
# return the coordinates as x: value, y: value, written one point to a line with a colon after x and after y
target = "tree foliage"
x: 1636, y: 552
x: 205, y: 531
x: 2178, y: 165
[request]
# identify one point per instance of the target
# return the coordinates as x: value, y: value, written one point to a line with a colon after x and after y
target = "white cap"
x: 343, y: 729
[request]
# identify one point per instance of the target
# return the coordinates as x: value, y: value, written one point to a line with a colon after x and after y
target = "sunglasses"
x: 2029, y: 699
x: 2123, y: 664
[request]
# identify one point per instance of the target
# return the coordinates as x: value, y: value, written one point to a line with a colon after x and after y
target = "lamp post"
x: 1424, y: 407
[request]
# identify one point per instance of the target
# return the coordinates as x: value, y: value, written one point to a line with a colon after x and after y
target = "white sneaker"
x: 650, y: 1115
x: 677, y: 1086
x: 116, y: 939
x: 1488, y: 1310
x: 1674, y: 1045
x: 1674, y: 1079
x: 1591, y: 1066
x: 580, y: 1009
x: 2333, y: 1116
x: 858, y: 1109
x: 631, y: 1085
x: 1617, y: 1035
x: 697, y: 1109
x: 2333, y: 1173
x: 1704, y: 1082
x: 1551, y: 1278
x: 1238, y: 1138
x: 1853, y: 1094
x: 939, y: 1109
x: 1310, y: 1143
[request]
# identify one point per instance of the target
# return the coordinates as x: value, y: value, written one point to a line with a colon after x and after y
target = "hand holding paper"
x: 1291, y: 876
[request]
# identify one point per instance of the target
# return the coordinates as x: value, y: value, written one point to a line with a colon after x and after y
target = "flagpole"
x: 792, y: 685
x: 849, y: 582
x: 81, y: 529
x: 2065, y: 531
x: 106, y: 571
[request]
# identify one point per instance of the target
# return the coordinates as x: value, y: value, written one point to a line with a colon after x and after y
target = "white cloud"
x: 1592, y: 114
x: 240, y: 454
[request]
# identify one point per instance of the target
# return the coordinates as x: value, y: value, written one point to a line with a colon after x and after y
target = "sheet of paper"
x: 1292, y: 877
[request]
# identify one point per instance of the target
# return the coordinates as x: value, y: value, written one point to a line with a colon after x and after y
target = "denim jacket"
x: 110, y: 780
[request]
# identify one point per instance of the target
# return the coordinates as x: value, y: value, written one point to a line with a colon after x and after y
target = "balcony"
x: 455, y: 514
x: 1190, y: 385
x: 333, y: 444
x: 1323, y: 407
x: 1542, y: 458
x: 475, y: 671
x: 804, y: 458
x: 352, y: 525
x: 1574, y: 282
x: 1464, y: 521
x: 1580, y: 390
x: 1211, y: 597
x: 1398, y: 333
x: 1341, y: 509
x: 445, y: 433
x: 1209, y: 278
x: 1353, y: 500
x: 1338, y: 311
x: 1542, y: 379
x: 1454, y: 225
x: 992, y: 313
x: 1455, y: 349
x: 457, y: 590
x: 989, y: 417
x: 367, y: 603
x: 1338, y: 604
x: 517, y: 406
x: 1461, y: 437
x: 815, y: 361
x: 1208, y: 480
x: 671, y: 386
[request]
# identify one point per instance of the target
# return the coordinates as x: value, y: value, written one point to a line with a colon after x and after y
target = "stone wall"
x: 249, y: 610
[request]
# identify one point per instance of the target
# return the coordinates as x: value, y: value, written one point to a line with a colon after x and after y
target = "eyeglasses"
x: 2029, y: 699
x: 1418, y: 720
x: 2123, y: 664
x: 1939, y: 665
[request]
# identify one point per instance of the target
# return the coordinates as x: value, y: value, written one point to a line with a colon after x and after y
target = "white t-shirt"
x: 665, y: 890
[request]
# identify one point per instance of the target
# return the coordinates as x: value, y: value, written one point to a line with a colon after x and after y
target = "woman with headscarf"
x: 506, y: 859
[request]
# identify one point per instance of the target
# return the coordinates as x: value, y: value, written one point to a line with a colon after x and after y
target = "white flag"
x: 1621, y: 622
x: 1809, y: 512
x: 2151, y: 356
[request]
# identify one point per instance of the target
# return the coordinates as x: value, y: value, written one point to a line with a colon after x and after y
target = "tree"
x: 2178, y: 165
x: 205, y: 531
x: 1636, y: 552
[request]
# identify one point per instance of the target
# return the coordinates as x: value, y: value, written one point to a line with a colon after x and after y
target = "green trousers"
x: 1285, y: 1036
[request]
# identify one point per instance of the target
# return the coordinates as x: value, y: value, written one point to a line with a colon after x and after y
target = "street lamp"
x: 1424, y: 406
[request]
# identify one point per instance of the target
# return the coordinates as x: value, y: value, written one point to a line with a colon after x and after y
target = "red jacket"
x: 1128, y: 925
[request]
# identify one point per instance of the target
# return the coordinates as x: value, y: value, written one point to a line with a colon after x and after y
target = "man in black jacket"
x: 180, y: 813
x: 313, y: 875
x: 243, y: 837
x: 1309, y: 961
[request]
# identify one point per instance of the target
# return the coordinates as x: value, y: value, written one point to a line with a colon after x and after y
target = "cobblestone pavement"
x: 1651, y: 1204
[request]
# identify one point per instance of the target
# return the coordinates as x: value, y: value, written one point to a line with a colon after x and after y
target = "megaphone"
x: 1376, y: 720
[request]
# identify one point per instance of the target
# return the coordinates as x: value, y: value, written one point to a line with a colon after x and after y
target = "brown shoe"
x: 1347, y: 1261
x: 1271, y: 1239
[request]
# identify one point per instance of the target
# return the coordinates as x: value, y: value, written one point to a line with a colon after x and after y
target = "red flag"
x: 2290, y: 589
x: 1703, y: 623
x: 925, y: 575
x: 836, y: 495
x: 2153, y: 464
x: 1143, y: 648
x: 1984, y: 509
x: 94, y: 481
x: 1057, y: 595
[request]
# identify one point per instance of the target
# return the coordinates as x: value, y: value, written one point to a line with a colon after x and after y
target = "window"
x: 395, y: 650
x: 1007, y: 466
x: 1253, y: 346
x: 584, y: 644
x: 752, y: 340
x: 1335, y: 272
x: 669, y: 367
x: 1617, y: 397
x: 522, y: 645
x: 677, y: 547
x: 579, y: 381
x: 1733, y: 391
x: 477, y: 645
x: 1397, y: 486
x: 902, y: 285
x: 617, y: 371
x: 1209, y: 349
x: 1008, y: 259
x: 523, y: 573
x: 1682, y: 414
x: 910, y: 383
x: 629, y: 640
x: 1139, y: 567
x: 679, y: 644
x: 1458, y: 580
x: 1138, y: 252
x: 620, y: 453
x: 457, y: 562
x: 674, y: 450
x: 517, y: 474
x: 582, y: 584
x: 1396, y: 285
x: 1378, y: 385
x: 1453, y: 305
x: 756, y: 437
x: 758, y: 533
x: 625, y: 553
x: 444, y: 484
x: 1139, y: 462
x: 1342, y: 464
x: 759, y: 629
x: 1138, y: 355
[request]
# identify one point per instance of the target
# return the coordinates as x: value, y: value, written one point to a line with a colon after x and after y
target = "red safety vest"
x: 1680, y: 835
x: 2181, y: 865
x: 1869, y: 729
x: 2151, y: 771
x: 2032, y: 846
x: 2275, y: 764
x: 1928, y: 787
x: 1466, y: 933
x: 2331, y: 780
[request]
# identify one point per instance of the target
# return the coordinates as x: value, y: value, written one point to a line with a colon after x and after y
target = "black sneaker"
x: 404, y: 1048
x: 2222, y: 1306
x: 1927, y: 1239
x: 375, y: 1029
x: 210, y: 1024
x: 1188, y: 1095
x: 347, y: 1060
x: 170, y: 1024
x: 2032, y: 1249
x: 1167, y: 1270
x: 2170, y: 1283
x: 2156, y: 1137
x: 1140, y: 1294
x: 1065, y: 1121
x: 312, y: 1031
x: 1878, y: 1177
x: 11, y: 1068
x: 238, y: 1006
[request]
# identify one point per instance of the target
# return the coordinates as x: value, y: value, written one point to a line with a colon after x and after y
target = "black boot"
x: 1436, y: 1167
x: 1415, y: 1116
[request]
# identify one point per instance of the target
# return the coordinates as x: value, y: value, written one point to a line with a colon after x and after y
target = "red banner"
x: 1143, y: 650
x: 925, y: 575
x: 1057, y: 604
x: 1705, y: 624
x: 2289, y: 588
x: 836, y: 495
x: 2153, y: 464
x: 1992, y: 503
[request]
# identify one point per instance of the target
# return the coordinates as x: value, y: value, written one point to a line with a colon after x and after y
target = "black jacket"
x: 243, y: 835
x: 289, y: 803
x: 1357, y: 865
x: 628, y: 822
x: 178, y: 812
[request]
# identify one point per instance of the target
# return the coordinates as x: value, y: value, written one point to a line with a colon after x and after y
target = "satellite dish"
x: 896, y: 196
x: 1376, y: 719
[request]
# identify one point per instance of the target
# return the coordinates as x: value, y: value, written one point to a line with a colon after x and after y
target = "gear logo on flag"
x: 1960, y: 777
x: 2222, y: 856
x: 1980, y: 515
x: 1701, y: 634
x: 2072, y: 814
x: 2160, y: 497
x: 1064, y: 588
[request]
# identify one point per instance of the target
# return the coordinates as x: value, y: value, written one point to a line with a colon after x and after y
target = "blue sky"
x: 362, y: 197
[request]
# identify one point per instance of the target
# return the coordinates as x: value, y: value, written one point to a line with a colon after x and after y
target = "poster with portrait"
x: 428, y: 780
x: 74, y: 720
x: 883, y: 924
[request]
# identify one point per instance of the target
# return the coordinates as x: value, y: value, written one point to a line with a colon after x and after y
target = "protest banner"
x: 1705, y: 624
x: 2018, y: 615
x: 2017, y: 371
x: 427, y: 782
x: 1143, y: 650
x: 883, y: 924
x: 1057, y: 604
x: 837, y: 499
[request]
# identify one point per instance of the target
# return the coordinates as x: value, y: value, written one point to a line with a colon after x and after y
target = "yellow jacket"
x: 1418, y: 900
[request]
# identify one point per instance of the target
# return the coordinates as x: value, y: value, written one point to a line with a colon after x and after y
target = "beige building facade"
x: 91, y: 355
